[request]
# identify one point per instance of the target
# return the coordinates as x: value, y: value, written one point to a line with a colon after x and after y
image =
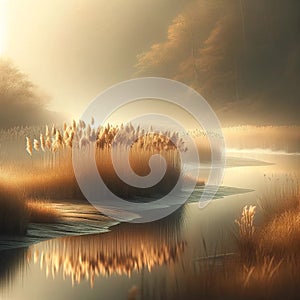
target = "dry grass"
x: 231, y: 279
x: 268, y: 259
x: 46, y: 155
x: 40, y: 166
x: 267, y: 262
x: 282, y: 193
x: 280, y: 237
x: 16, y: 212
x: 58, y: 183
x: 52, y: 173
x: 245, y: 222
x: 246, y: 237
x: 49, y: 170
x: 286, y: 138
x: 40, y: 183
x: 12, y: 204
x: 280, y: 234
x: 139, y: 163
x: 41, y: 211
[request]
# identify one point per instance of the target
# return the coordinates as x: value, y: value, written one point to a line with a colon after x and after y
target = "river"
x: 122, y: 260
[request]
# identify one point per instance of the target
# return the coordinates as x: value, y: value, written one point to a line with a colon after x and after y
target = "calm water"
x: 149, y: 260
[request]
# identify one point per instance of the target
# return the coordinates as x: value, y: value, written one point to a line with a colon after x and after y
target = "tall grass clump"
x: 42, y: 211
x: 45, y: 170
x: 282, y: 194
x: 14, y: 216
x: 16, y: 212
x: 280, y: 237
x: 141, y: 146
x: 203, y: 141
x: 54, y: 152
x: 246, y: 230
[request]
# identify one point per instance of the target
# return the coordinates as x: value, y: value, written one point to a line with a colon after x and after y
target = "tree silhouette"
x: 20, y: 101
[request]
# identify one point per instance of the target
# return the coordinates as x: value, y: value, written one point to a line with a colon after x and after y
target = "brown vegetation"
x: 13, y: 212
x: 284, y: 138
x: 266, y: 265
x: 41, y: 211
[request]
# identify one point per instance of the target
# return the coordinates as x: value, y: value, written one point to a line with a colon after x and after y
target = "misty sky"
x: 242, y: 56
x: 74, y: 49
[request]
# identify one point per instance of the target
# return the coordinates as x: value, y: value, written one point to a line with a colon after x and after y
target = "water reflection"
x: 131, y: 249
x: 12, y: 264
x: 126, y: 249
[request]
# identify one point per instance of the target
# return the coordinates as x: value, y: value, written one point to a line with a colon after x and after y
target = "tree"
x: 20, y: 102
x: 238, y: 54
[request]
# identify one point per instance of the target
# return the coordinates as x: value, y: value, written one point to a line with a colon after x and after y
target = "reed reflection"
x: 12, y: 264
x: 126, y: 249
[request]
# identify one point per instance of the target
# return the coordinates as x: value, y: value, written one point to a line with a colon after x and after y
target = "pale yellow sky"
x: 3, y: 25
x: 74, y: 49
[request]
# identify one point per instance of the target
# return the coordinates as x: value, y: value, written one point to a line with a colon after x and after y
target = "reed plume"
x: 28, y: 146
x: 245, y: 222
x: 53, y: 130
x: 36, y: 145
x: 47, y: 132
x: 43, y: 142
x: 48, y: 143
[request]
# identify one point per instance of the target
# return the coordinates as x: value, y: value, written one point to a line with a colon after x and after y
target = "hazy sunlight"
x: 3, y: 7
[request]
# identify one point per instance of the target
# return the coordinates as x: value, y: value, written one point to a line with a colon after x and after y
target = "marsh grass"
x: 53, y: 152
x: 14, y: 215
x: 40, y: 159
x: 57, y: 184
x: 246, y: 233
x: 284, y: 138
x: 37, y: 162
x: 266, y: 264
x: 280, y: 237
x: 232, y: 279
x: 41, y: 211
x: 282, y: 193
x: 139, y: 163
x: 16, y: 211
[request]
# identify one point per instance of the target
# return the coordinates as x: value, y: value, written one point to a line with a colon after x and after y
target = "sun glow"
x: 3, y: 6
